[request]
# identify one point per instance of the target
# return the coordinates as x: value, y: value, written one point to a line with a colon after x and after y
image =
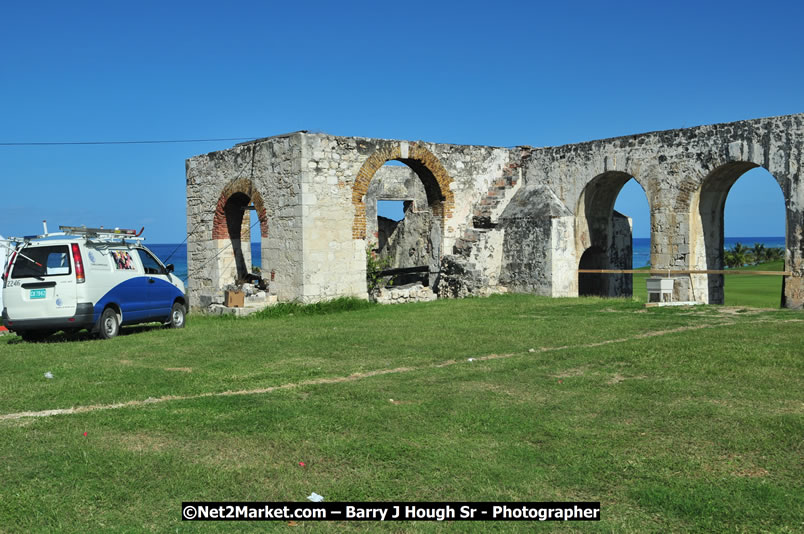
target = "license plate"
x: 38, y: 293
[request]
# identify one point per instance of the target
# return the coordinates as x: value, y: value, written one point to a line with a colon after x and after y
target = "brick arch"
x: 245, y: 186
x: 427, y: 167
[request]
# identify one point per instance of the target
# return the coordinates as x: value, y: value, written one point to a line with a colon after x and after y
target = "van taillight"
x: 79, y: 264
x: 8, y: 267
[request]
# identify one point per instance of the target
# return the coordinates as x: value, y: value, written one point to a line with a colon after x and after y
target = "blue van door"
x: 160, y: 292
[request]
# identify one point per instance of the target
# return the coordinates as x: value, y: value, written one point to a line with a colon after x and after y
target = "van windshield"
x: 55, y: 261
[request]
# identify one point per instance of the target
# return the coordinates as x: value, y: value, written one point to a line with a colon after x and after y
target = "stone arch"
x: 246, y: 187
x: 231, y: 227
x: 424, y: 163
x: 602, y: 230
x: 707, y: 229
x: 597, y: 199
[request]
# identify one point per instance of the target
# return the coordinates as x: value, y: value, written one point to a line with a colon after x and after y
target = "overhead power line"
x: 152, y: 142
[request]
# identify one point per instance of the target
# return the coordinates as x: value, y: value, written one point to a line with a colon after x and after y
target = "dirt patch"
x: 679, y: 329
x: 752, y: 472
x: 740, y: 310
x: 617, y: 378
x: 397, y: 402
x: 126, y: 362
x: 577, y: 371
x: 484, y: 358
x: 138, y: 442
x: 225, y: 453
x: 736, y: 465
x: 513, y: 394
x: 180, y: 369
x: 230, y: 454
x: 21, y: 422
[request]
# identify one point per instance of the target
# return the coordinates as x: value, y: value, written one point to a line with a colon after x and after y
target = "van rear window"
x: 54, y: 261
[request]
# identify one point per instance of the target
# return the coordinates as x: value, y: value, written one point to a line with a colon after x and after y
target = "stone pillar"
x: 793, y: 286
x: 670, y: 250
x: 621, y: 255
x: 563, y: 260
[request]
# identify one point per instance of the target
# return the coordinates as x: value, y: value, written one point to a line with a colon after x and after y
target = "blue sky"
x: 502, y: 73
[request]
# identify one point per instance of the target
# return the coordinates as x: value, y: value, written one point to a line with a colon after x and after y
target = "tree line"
x: 741, y: 255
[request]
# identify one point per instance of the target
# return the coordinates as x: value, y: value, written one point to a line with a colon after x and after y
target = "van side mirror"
x: 169, y: 267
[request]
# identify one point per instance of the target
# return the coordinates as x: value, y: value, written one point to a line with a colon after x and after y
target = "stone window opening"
x: 390, y: 213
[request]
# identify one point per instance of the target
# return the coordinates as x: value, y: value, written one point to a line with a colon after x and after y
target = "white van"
x: 88, y: 278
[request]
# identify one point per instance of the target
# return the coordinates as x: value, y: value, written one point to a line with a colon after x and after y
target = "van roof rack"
x: 102, y: 232
x: 97, y: 234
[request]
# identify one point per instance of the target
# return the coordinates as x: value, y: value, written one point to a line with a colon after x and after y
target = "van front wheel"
x: 109, y: 324
x: 176, y: 319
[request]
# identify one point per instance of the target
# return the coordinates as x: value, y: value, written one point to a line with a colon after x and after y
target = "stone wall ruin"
x: 517, y: 219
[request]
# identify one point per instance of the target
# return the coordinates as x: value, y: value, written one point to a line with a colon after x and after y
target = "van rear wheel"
x: 177, y: 316
x: 109, y: 324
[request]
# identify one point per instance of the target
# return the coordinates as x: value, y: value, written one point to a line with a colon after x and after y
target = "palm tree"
x: 760, y: 253
x: 729, y: 259
x: 737, y: 256
x: 774, y: 254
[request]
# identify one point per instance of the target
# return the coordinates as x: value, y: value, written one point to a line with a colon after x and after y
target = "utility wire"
x: 221, y: 251
x: 152, y: 142
x: 180, y: 244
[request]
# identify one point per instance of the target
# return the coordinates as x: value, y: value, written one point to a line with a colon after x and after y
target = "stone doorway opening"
x: 237, y: 263
x: 593, y: 284
x: 405, y: 236
x: 725, y: 237
x: 240, y: 219
x: 606, y: 235
x: 418, y: 168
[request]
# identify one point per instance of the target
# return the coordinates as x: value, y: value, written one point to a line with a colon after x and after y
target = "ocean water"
x: 177, y: 253
x: 641, y: 246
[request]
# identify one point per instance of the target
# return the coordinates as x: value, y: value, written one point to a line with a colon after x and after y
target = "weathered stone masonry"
x: 521, y: 219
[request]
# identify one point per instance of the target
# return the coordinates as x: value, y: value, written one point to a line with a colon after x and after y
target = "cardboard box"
x: 234, y: 299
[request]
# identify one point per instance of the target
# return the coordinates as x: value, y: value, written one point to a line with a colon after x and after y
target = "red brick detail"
x: 242, y: 185
x: 392, y: 151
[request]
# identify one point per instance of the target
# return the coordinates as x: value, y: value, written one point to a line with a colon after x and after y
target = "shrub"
x: 374, y: 266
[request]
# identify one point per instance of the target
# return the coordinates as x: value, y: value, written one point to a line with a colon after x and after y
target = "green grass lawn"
x: 676, y: 420
x: 740, y: 290
x: 758, y: 291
